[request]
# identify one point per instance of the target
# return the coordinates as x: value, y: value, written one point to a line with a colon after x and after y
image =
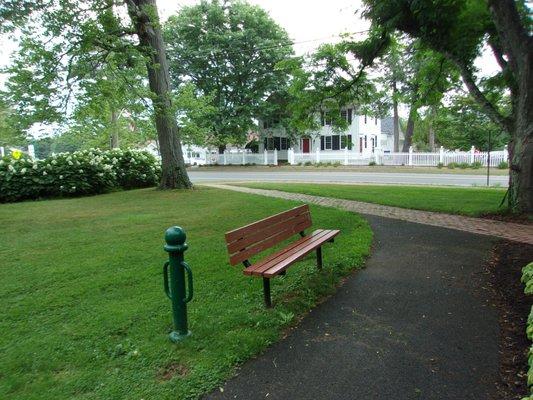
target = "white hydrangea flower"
x: 73, y: 187
x: 61, y: 187
x: 35, y: 166
x: 23, y: 171
x: 10, y: 168
x: 54, y: 162
x: 60, y: 176
x: 44, y: 173
x: 70, y: 163
x: 1, y: 162
x: 80, y: 171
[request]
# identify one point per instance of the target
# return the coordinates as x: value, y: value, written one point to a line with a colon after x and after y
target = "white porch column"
x: 441, y: 154
x: 275, y: 157
x: 410, y: 155
x: 318, y: 154
x: 505, y: 154
x: 346, y: 156
x: 472, y: 149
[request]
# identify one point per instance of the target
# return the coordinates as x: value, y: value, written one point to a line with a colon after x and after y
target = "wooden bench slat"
x: 293, y: 254
x: 241, y: 232
x: 251, y: 270
x: 243, y: 243
x: 285, y: 263
x: 268, y: 243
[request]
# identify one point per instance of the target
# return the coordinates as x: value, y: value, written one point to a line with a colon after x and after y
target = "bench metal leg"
x: 266, y: 292
x: 319, y: 257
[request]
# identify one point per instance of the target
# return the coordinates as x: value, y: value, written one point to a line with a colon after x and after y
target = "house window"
x: 335, y: 142
x: 325, y: 119
x: 366, y: 142
x: 267, y: 125
x: 344, y: 115
x: 276, y: 143
x: 284, y: 143
x: 328, y: 142
x: 349, y: 116
x: 346, y: 142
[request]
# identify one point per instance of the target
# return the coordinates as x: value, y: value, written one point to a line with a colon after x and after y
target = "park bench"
x: 262, y: 235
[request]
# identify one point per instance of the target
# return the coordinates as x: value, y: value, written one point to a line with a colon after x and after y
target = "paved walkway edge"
x: 504, y: 230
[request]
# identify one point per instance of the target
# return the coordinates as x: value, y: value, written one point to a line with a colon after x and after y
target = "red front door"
x: 305, y: 145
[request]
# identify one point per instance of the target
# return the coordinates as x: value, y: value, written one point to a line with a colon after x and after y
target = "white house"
x: 362, y: 135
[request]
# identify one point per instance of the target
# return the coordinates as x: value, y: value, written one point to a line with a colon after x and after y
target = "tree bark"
x: 114, y: 129
x: 409, y: 129
x: 145, y: 19
x: 395, y: 118
x: 517, y: 45
x: 431, y: 131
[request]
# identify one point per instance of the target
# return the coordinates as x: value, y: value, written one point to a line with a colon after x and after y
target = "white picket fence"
x: 245, y: 158
x: 411, y: 158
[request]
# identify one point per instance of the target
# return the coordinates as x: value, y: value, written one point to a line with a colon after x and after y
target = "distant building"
x: 387, y: 135
x: 363, y: 135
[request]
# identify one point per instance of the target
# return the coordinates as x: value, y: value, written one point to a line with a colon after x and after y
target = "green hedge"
x: 76, y: 174
x: 527, y: 280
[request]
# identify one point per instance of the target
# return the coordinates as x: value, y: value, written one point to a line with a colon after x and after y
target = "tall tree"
x: 457, y: 30
x: 229, y: 50
x: 64, y: 41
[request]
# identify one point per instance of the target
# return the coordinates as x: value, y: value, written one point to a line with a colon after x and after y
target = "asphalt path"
x: 347, y: 177
x: 417, y: 323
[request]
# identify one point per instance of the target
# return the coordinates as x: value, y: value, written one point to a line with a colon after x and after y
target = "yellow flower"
x: 16, y: 154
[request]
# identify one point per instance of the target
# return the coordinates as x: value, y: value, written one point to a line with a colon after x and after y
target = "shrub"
x: 476, y: 165
x: 503, y: 165
x: 440, y: 165
x: 452, y: 165
x: 464, y: 165
x: 527, y: 280
x: 372, y: 163
x: 76, y: 174
x: 308, y: 163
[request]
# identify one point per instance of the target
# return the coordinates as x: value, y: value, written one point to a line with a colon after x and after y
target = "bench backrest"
x: 249, y: 240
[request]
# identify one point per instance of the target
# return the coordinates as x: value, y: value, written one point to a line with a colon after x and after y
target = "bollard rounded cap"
x: 175, y: 237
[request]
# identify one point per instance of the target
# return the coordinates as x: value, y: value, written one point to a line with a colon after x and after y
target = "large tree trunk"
x: 517, y: 45
x: 395, y: 117
x: 145, y: 18
x: 114, y: 129
x: 431, y: 131
x: 410, y: 129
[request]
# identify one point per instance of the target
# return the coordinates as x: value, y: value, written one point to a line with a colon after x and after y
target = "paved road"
x: 415, y: 324
x: 346, y: 177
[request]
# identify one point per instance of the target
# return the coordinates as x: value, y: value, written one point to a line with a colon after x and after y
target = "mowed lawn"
x: 83, y: 311
x: 464, y: 201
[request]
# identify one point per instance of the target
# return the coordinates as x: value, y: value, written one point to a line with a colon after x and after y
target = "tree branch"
x: 493, y: 113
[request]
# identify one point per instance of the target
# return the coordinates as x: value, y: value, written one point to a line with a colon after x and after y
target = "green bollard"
x: 174, y: 285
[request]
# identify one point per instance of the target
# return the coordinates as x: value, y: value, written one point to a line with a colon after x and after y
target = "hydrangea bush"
x: 76, y: 174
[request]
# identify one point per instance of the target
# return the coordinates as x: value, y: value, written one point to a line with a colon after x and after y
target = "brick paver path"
x: 505, y: 230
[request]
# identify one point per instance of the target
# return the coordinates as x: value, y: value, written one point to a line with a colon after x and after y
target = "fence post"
x: 318, y: 155
x: 265, y: 154
x: 225, y: 158
x: 290, y: 156
x: 346, y: 156
x: 505, y: 154
x: 472, y: 149
x: 243, y: 158
x: 31, y: 150
x: 2, y: 151
x: 275, y: 157
x: 441, y: 155
x: 410, y: 155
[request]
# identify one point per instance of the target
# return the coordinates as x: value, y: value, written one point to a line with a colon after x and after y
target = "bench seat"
x: 278, y: 262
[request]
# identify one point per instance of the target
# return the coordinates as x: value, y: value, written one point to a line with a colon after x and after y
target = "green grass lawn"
x: 465, y: 201
x: 83, y: 311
